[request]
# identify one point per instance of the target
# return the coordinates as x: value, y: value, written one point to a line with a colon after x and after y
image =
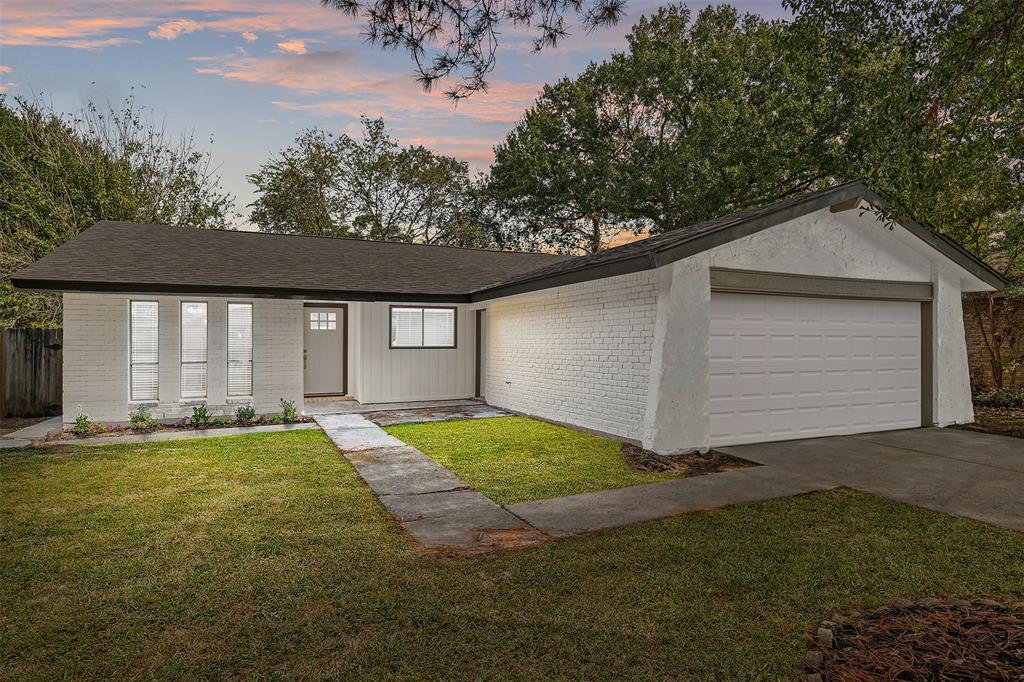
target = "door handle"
x: 305, y: 355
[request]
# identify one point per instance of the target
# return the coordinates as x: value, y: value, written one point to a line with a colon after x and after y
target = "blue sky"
x: 251, y: 74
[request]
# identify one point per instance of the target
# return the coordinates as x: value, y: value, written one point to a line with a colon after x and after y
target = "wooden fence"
x: 31, y: 372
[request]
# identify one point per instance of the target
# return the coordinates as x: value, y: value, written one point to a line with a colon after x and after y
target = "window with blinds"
x: 422, y: 327
x: 144, y: 350
x: 239, y: 349
x: 193, y: 349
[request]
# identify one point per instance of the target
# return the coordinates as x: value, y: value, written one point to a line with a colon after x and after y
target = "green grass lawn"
x: 515, y: 459
x: 266, y: 556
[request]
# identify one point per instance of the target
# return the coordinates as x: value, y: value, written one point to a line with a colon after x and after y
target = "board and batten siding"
x: 409, y: 374
x: 96, y: 356
x: 578, y: 354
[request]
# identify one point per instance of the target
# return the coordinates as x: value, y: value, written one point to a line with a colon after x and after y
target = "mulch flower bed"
x: 693, y: 463
x: 1004, y: 421
x: 183, y: 424
x: 927, y: 639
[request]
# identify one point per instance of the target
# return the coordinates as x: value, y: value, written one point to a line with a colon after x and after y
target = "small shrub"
x: 288, y: 412
x: 82, y: 423
x: 245, y: 414
x: 1001, y: 397
x: 181, y: 423
x: 200, y: 417
x: 142, y: 419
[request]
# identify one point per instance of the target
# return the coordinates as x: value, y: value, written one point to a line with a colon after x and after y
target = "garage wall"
x: 96, y: 356
x: 578, y: 354
x: 856, y: 244
x: 386, y: 374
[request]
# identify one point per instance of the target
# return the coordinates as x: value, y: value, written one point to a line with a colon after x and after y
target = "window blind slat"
x: 193, y: 349
x: 406, y: 327
x: 438, y: 327
x: 144, y: 350
x: 240, y: 349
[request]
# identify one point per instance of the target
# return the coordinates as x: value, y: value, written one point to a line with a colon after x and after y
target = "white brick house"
x: 807, y: 317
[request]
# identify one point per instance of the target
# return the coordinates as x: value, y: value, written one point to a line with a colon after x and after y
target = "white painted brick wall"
x: 96, y: 356
x: 578, y: 354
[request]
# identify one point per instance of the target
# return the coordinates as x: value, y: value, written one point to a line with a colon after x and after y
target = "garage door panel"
x: 789, y: 367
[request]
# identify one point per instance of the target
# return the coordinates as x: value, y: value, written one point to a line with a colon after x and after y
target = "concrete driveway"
x: 970, y: 474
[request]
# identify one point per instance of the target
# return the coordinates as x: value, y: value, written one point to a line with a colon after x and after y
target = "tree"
x: 370, y: 188
x: 697, y: 119
x: 556, y: 170
x: 300, y: 193
x: 458, y: 39
x: 61, y: 173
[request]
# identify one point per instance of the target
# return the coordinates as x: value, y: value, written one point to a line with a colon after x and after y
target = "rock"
x: 813, y: 659
x: 825, y: 637
x: 812, y: 677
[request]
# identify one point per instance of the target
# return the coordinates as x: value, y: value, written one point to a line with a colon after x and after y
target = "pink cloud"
x: 169, y: 30
x: 365, y: 90
x: 293, y: 46
x: 5, y: 69
x: 249, y: 36
x: 88, y: 24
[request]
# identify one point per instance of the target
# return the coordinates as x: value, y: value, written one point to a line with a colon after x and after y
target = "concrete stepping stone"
x: 432, y: 504
x: 591, y: 512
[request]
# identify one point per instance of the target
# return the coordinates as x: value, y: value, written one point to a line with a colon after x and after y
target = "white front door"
x: 324, y: 351
x: 786, y: 367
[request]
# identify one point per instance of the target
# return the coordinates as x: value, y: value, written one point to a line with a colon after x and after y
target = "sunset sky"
x: 250, y: 75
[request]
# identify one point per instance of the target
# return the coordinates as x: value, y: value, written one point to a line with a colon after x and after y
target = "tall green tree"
x: 556, y: 170
x: 366, y: 188
x: 61, y: 173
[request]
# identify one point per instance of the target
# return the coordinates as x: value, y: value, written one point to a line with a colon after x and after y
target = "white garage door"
x: 785, y: 367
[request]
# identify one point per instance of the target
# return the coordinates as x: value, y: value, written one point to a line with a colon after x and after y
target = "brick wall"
x: 578, y: 354
x: 977, y: 351
x: 96, y: 356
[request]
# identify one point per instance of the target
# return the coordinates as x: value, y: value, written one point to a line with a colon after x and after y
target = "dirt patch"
x: 928, y: 639
x: 691, y: 463
x: 433, y: 414
x: 490, y: 540
x: 1003, y: 421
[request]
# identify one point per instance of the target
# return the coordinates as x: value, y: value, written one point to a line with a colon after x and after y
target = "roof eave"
x: 130, y: 288
x: 744, y: 227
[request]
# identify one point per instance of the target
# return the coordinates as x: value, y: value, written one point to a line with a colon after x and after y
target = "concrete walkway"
x: 965, y: 473
x: 591, y: 512
x: 434, y: 506
x: 22, y: 438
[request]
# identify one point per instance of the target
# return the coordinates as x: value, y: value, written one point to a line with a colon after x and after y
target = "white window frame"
x: 422, y: 308
x: 131, y: 363
x: 252, y: 350
x: 181, y: 352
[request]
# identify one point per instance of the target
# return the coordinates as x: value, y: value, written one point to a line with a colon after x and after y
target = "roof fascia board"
x: 637, y: 263
x: 745, y: 228
x: 944, y: 245
x: 226, y: 291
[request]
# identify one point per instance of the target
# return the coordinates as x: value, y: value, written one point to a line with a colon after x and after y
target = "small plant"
x: 1001, y: 397
x: 200, y: 417
x: 142, y: 419
x: 288, y: 411
x: 82, y: 422
x: 245, y: 414
x: 180, y: 423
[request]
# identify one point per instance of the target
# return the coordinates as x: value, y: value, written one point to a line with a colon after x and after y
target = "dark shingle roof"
x: 117, y: 256
x: 157, y: 258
